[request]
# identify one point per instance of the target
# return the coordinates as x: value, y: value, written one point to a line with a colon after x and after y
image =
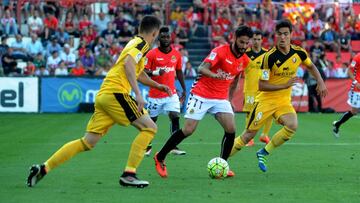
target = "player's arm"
x: 131, y: 76
x: 180, y: 77
x: 204, y: 69
x: 233, y: 86
x: 352, y: 77
x: 156, y: 72
x: 146, y: 80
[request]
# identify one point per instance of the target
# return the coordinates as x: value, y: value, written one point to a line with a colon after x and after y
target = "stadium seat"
x: 355, y: 44
x: 345, y: 56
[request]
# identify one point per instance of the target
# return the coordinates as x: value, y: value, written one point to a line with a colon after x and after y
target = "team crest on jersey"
x: 353, y: 63
x: 259, y: 116
x: 173, y: 59
x: 191, y: 111
x: 138, y: 57
x: 294, y: 60
x: 240, y: 67
x: 212, y: 56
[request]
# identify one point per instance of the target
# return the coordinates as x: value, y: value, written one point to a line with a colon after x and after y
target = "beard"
x: 239, y: 50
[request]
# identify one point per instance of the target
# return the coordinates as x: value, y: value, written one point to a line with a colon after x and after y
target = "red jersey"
x: 171, y: 62
x: 51, y: 23
x: 222, y: 61
x: 355, y: 69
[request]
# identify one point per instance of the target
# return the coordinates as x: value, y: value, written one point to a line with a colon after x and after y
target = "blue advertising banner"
x: 65, y: 94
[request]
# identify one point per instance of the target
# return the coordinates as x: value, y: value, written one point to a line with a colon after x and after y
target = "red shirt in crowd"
x: 222, y: 61
x: 51, y: 23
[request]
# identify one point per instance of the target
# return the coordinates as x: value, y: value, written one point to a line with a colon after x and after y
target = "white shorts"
x: 197, y: 107
x: 163, y: 105
x: 354, y: 99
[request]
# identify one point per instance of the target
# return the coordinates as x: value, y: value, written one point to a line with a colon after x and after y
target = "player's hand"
x: 165, y: 88
x: 182, y: 97
x: 321, y: 89
x: 291, y: 82
x: 140, y: 102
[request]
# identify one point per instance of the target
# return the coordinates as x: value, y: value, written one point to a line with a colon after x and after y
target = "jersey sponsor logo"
x: 225, y: 75
x: 227, y: 60
x: 70, y: 95
x: 265, y: 74
x: 173, y: 59
x: 259, y: 116
x: 240, y: 67
x: 138, y: 57
x: 167, y: 69
x: 212, y: 56
x: 159, y: 59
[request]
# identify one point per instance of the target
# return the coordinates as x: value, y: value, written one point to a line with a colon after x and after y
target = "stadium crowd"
x: 72, y: 38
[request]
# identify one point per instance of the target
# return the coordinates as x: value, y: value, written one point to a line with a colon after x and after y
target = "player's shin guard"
x: 227, y: 144
x: 170, y: 144
x: 138, y: 148
x: 238, y: 144
x: 66, y: 152
x: 283, y: 135
x: 175, y: 124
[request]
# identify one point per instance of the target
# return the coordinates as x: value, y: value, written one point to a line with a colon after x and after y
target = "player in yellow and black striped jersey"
x: 113, y: 104
x: 278, y: 74
x: 252, y: 74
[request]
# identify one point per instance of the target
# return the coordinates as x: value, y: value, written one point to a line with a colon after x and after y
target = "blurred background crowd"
x: 84, y: 38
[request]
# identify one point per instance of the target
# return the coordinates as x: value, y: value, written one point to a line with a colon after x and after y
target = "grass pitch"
x: 312, y: 167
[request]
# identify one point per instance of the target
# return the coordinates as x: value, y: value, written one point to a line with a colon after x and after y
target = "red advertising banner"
x: 336, y: 99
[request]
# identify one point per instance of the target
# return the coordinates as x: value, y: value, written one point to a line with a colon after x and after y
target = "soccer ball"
x: 218, y: 168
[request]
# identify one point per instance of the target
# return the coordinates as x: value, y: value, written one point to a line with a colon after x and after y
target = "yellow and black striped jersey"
x: 252, y: 71
x: 116, y: 80
x: 277, y: 68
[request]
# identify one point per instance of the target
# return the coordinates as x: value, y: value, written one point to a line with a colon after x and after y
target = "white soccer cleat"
x: 178, y: 151
x: 335, y: 130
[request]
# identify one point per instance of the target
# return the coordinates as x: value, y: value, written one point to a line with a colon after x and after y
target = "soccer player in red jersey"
x: 210, y: 93
x: 354, y: 95
x: 161, y: 65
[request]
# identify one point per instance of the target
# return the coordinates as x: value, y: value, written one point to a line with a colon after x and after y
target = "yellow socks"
x: 238, y: 144
x: 66, y: 152
x: 138, y: 148
x: 283, y: 135
x: 267, y: 127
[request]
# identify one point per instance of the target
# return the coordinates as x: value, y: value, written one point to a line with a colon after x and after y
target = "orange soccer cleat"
x: 160, y: 167
x: 250, y: 143
x: 230, y: 174
x: 264, y: 139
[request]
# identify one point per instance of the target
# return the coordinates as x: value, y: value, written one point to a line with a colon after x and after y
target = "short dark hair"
x: 243, y: 30
x: 258, y: 32
x: 164, y: 29
x: 283, y: 23
x: 149, y: 23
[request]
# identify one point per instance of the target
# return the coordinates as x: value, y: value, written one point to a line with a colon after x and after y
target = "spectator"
x: 314, y: 27
x: 53, y: 61
x: 87, y: 36
x: 35, y: 23
x: 34, y: 46
x: 42, y: 71
x: 176, y: 45
x: 318, y: 49
x: 345, y: 41
x: 119, y: 20
x: 98, y: 44
x: 333, y: 24
x: 3, y: 46
x: 329, y: 71
x: 62, y: 36
x: 67, y: 57
x: 78, y: 70
x: 254, y: 23
x: 101, y: 22
x: 181, y: 34
x: 29, y: 69
x: 9, y: 64
x: 109, y: 34
x: 70, y: 24
x: 217, y: 35
x: 298, y: 36
x: 61, y: 70
x: 39, y: 61
x: 330, y: 39
x: 8, y: 23
x: 125, y: 34
x: 115, y: 51
x: 84, y: 23
x: 19, y: 48
x: 267, y: 24
x: 176, y: 15
x: 189, y: 70
x: 224, y: 23
x: 53, y: 46
x: 50, y: 25
x: 82, y: 48
x: 88, y: 62
x: 103, y: 62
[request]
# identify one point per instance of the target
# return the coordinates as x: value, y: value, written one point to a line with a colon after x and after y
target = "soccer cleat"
x: 264, y: 139
x: 37, y: 172
x: 261, y: 156
x: 160, y: 167
x: 131, y: 180
x: 148, y: 150
x: 335, y: 130
x: 177, y: 151
x: 230, y: 174
x: 250, y: 143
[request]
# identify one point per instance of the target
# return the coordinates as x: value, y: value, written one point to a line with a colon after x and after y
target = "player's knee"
x: 150, y: 131
x: 188, y: 131
x: 292, y: 126
x: 354, y: 111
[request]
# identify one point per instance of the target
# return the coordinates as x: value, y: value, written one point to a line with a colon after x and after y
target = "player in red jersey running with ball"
x: 161, y: 65
x: 220, y: 72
